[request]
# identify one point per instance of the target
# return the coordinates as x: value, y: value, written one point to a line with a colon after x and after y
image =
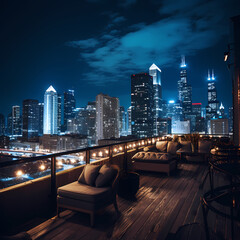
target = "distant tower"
x: 50, y: 111
x: 107, y: 117
x: 16, y: 122
x: 2, y: 124
x: 40, y: 112
x: 184, y: 90
x: 59, y: 115
x: 142, y: 102
x: 69, y: 106
x: 30, y: 118
x: 213, y: 103
x: 155, y: 72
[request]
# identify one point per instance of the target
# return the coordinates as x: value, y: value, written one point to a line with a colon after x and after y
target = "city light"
x: 42, y: 167
x: 171, y: 101
x: 19, y: 173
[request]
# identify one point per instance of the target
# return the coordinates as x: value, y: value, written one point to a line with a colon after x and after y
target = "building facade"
x: 30, y: 119
x: 50, y: 111
x: 107, y: 117
x: 142, y: 102
x: 155, y: 72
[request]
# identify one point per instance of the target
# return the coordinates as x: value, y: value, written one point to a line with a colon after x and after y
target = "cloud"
x: 127, y: 3
x: 183, y: 28
x: 119, y: 19
x: 87, y: 43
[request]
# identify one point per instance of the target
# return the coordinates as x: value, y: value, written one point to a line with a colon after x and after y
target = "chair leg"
x: 92, y: 216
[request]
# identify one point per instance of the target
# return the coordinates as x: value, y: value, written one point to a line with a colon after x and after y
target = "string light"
x: 115, y: 150
x: 100, y: 154
x: 94, y: 155
x: 106, y: 151
x: 120, y: 148
x: 19, y: 173
x: 42, y: 167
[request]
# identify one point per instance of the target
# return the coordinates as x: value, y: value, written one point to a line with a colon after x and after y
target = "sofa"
x: 161, y: 157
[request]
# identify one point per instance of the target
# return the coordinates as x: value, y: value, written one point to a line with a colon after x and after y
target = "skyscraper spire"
x: 209, y: 78
x: 183, y: 63
x: 213, y: 78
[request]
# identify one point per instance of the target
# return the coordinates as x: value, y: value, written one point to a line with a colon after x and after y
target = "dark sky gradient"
x: 94, y: 46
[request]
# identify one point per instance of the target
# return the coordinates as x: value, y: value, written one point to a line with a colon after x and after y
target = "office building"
x: 184, y: 90
x: 2, y: 125
x: 69, y: 106
x: 30, y: 119
x: 59, y: 113
x: 142, y: 102
x: 219, y: 126
x: 107, y: 117
x: 15, y: 122
x: 155, y: 72
x: 50, y: 111
x: 129, y: 120
x: 164, y: 126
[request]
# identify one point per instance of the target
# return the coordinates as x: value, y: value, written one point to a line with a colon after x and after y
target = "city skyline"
x: 99, y: 51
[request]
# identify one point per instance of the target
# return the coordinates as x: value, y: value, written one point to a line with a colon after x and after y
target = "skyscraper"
x: 16, y: 122
x: 59, y: 115
x: 50, y: 111
x: 142, y: 102
x: 129, y: 121
x: 40, y: 114
x: 213, y: 103
x: 184, y: 90
x: 30, y: 119
x: 155, y: 72
x: 107, y: 117
x: 69, y: 105
x: 2, y: 124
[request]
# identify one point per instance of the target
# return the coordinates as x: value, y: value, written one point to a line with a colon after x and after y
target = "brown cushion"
x: 204, y: 146
x: 166, y: 157
x: 162, y: 146
x: 84, y: 192
x: 172, y: 147
x: 89, y: 174
x: 105, y: 176
x: 186, y: 146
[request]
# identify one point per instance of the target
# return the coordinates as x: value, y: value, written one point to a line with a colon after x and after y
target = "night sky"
x: 94, y: 46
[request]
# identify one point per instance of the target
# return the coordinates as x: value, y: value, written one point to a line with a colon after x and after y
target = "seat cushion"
x: 106, y: 176
x: 172, y: 147
x: 89, y: 174
x: 162, y: 146
x: 185, y: 146
x: 152, y: 157
x: 83, y: 192
x: 204, y: 146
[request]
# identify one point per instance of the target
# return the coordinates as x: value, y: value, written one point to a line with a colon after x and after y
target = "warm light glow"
x: 100, y: 154
x: 115, y: 150
x: 149, y: 141
x: 94, y: 155
x: 120, y: 148
x: 139, y: 144
x: 106, y: 151
x: 81, y: 158
x: 130, y: 145
x: 226, y: 55
x: 42, y: 167
x: 59, y: 162
x: 134, y: 145
x: 19, y: 173
x: 73, y: 161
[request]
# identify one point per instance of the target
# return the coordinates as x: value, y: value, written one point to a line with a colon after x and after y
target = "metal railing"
x: 112, y: 149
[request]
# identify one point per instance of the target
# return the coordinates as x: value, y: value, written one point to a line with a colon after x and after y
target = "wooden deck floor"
x: 162, y: 205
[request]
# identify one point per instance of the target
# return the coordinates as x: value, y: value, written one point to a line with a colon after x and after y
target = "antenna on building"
x: 209, y: 78
x: 213, y: 78
x: 183, y: 63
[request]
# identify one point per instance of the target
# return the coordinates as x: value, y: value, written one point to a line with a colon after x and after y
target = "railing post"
x: 87, y: 156
x: 53, y: 178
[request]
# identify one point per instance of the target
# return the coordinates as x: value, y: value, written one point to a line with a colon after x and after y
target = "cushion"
x: 186, y: 146
x: 204, y: 146
x: 84, y: 192
x: 162, y: 146
x: 166, y: 157
x: 89, y: 174
x: 139, y: 155
x: 172, y: 147
x: 105, y: 176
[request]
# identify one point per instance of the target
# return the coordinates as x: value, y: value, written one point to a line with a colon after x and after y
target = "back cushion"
x: 106, y: 176
x: 89, y: 174
x: 172, y: 147
x: 186, y: 146
x: 162, y: 146
x: 204, y: 146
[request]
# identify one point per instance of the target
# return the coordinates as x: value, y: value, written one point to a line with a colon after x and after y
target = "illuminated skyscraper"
x: 59, y: 117
x: 142, y: 102
x: 16, y: 122
x: 213, y: 103
x: 41, y: 110
x: 184, y: 90
x: 2, y: 124
x: 107, y: 117
x: 30, y: 118
x: 69, y: 106
x: 50, y: 111
x: 155, y: 72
